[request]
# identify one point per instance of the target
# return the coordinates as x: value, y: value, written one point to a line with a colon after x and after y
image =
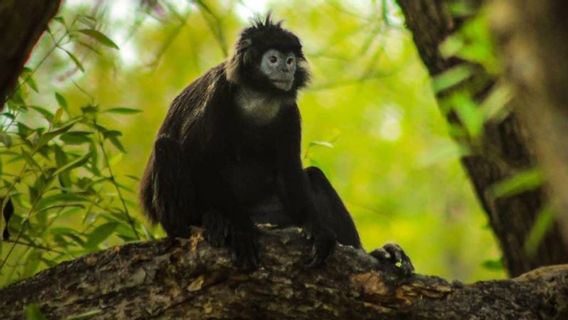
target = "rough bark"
x: 505, y: 148
x: 533, y: 37
x: 21, y: 25
x: 187, y: 279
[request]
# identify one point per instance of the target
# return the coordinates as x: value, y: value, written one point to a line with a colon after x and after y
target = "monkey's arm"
x: 167, y: 190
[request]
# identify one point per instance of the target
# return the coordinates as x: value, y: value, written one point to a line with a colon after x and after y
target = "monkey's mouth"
x: 284, y: 84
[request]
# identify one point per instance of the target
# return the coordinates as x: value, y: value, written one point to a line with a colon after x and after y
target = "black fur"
x: 212, y: 168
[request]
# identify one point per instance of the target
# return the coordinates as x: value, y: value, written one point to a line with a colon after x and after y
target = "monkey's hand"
x: 394, y: 255
x: 324, y: 241
x: 241, y: 237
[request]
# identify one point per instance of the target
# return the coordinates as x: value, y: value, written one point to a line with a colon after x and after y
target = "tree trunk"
x: 504, y: 151
x: 533, y: 36
x: 187, y: 279
x: 21, y: 25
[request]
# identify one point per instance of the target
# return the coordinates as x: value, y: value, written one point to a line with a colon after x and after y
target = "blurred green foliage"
x: 370, y: 122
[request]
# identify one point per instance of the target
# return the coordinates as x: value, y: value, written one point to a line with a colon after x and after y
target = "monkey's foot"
x: 241, y: 238
x: 323, y: 246
x: 393, y: 254
x: 243, y: 241
x: 216, y: 229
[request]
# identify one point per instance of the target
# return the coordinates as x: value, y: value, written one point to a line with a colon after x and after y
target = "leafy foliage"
x: 57, y: 170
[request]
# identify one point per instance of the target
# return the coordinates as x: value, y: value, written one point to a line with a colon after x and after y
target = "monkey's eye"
x: 290, y: 61
x: 273, y: 59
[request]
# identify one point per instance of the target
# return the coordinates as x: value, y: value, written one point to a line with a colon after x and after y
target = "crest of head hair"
x: 266, y: 22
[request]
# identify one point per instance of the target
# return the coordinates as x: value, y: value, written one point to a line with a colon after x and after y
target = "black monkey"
x: 228, y: 154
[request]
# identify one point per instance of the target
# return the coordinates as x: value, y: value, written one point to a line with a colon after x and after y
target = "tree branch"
x: 21, y: 25
x: 191, y: 280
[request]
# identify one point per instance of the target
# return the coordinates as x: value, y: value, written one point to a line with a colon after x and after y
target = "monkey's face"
x: 279, y: 67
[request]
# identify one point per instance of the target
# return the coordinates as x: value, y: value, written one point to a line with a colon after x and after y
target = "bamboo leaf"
x: 61, y: 100
x: 122, y: 110
x: 75, y: 60
x: 542, y: 224
x: 73, y: 164
x: 100, y: 37
x: 76, y: 137
x: 100, y: 234
x: 519, y: 183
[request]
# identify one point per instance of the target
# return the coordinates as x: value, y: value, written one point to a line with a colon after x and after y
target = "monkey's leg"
x: 225, y: 222
x: 240, y: 236
x: 299, y: 204
x: 173, y: 191
x: 334, y: 213
x: 331, y: 209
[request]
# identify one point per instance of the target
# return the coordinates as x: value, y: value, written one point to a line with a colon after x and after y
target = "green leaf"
x: 494, y: 106
x: 115, y: 159
x: 542, y: 224
x: 493, y: 265
x: 90, y: 109
x: 69, y: 233
x: 32, y: 262
x: 6, y: 139
x: 60, y: 19
x: 73, y: 164
x: 100, y: 234
x: 43, y: 111
x: 523, y: 181
x: 55, y: 132
x: 61, y: 100
x: 135, y: 178
x: 57, y: 116
x: 75, y: 60
x: 60, y: 198
x: 114, y: 140
x: 122, y: 110
x: 469, y: 113
x: 33, y: 312
x: 461, y: 9
x: 325, y: 144
x: 60, y: 160
x: 87, y: 20
x: 76, y: 137
x: 111, y: 133
x: 90, y: 47
x: 31, y: 82
x: 451, y: 78
x: 442, y: 152
x: 23, y: 130
x: 30, y: 159
x: 8, y: 115
x: 100, y: 37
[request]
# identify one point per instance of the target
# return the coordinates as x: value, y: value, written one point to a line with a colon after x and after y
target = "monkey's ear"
x: 245, y: 43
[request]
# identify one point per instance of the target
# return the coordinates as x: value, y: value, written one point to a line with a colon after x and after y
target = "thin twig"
x: 116, y: 186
